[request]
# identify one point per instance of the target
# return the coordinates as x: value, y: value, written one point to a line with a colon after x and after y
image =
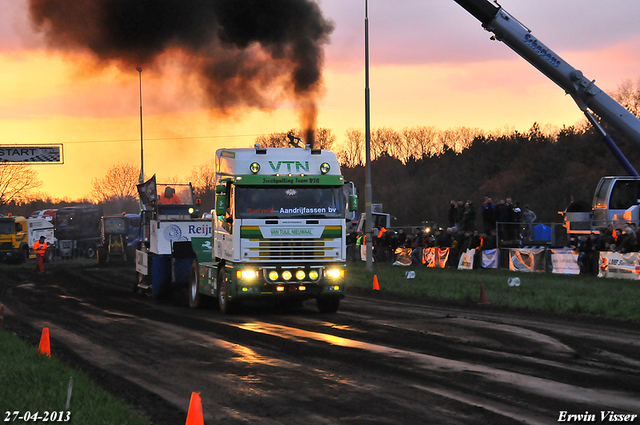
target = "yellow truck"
x: 18, y: 234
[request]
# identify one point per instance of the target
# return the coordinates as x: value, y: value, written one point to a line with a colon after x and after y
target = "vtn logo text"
x: 299, y: 166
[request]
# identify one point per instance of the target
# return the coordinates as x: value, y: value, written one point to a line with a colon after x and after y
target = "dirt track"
x: 377, y: 361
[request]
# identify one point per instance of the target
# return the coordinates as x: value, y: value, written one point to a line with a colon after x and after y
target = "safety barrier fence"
x: 539, y: 247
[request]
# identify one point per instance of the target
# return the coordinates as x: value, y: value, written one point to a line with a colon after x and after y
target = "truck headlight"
x: 325, y: 167
x: 254, y: 167
x: 334, y: 273
x: 247, y: 274
x: 300, y: 275
x: 286, y: 275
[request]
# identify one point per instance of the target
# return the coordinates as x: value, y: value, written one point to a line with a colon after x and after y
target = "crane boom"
x: 584, y: 92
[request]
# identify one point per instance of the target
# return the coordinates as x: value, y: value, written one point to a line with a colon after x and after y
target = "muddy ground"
x: 378, y: 360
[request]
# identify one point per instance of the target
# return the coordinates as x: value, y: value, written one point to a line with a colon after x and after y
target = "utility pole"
x: 141, y: 180
x: 367, y: 134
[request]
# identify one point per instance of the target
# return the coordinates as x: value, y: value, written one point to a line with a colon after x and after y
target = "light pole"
x: 367, y: 134
x: 141, y: 180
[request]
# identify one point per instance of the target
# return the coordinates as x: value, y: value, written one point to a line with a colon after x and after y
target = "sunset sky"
x: 432, y: 64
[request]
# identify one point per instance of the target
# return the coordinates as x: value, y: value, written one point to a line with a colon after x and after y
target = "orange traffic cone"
x: 194, y: 416
x: 483, y: 296
x: 44, y: 342
x: 376, y: 287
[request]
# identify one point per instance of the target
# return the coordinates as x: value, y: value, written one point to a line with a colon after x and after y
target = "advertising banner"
x: 435, y: 257
x: 403, y: 257
x: 565, y: 261
x: 490, y: 259
x: 466, y: 260
x: 526, y: 259
x: 620, y: 266
x: 164, y: 234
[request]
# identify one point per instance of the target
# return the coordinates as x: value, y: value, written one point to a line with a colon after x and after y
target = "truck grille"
x: 291, y: 249
x: 325, y: 248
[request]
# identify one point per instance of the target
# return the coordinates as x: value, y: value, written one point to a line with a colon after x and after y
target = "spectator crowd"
x: 466, y: 230
x: 505, y: 220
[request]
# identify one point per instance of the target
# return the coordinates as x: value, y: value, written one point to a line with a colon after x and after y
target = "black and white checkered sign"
x: 30, y: 153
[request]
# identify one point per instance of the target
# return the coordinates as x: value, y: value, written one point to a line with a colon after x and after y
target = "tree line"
x: 416, y: 171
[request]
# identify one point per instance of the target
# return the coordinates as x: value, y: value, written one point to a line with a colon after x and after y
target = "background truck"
x: 18, y: 234
x: 172, y: 239
x: 119, y: 238
x: 77, y: 230
x: 615, y: 196
x: 279, y: 229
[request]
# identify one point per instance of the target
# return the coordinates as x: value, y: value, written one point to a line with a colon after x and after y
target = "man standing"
x: 40, y: 247
x: 488, y: 215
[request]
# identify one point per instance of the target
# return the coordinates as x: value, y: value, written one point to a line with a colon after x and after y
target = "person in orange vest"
x: 170, y: 196
x: 40, y: 248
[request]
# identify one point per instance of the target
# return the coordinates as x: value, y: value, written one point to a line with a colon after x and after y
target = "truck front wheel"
x: 24, y: 255
x: 328, y: 304
x: 226, y: 306
x: 195, y: 298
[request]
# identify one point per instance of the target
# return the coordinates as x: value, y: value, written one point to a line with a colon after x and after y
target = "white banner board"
x: 621, y: 266
x: 31, y: 153
x: 565, y: 261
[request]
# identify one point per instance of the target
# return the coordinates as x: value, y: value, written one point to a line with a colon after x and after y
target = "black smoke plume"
x: 248, y: 53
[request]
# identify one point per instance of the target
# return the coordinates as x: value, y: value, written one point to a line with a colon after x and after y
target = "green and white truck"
x: 278, y: 229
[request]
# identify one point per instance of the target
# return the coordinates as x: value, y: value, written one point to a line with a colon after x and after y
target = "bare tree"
x: 275, y: 140
x: 203, y: 180
x: 628, y: 96
x: 118, y: 186
x: 460, y: 138
x: 422, y: 141
x: 203, y: 176
x: 16, y: 182
x: 385, y: 140
x: 352, y: 152
x: 325, y: 139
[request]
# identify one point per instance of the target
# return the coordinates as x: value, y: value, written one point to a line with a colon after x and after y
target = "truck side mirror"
x: 353, y: 203
x: 222, y: 202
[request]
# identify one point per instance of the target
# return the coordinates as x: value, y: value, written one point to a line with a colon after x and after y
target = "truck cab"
x: 119, y: 233
x: 172, y: 238
x: 279, y: 229
x: 18, y: 234
x: 14, y: 241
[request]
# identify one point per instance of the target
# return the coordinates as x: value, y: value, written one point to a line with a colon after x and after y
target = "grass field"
x: 585, y: 295
x: 34, y: 384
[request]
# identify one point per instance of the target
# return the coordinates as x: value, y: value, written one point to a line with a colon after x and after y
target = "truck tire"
x: 226, y: 306
x: 195, y: 298
x: 103, y: 256
x: 328, y: 304
x: 141, y: 279
x: 24, y: 254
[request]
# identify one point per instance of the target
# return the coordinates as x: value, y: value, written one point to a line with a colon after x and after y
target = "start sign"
x: 31, y: 153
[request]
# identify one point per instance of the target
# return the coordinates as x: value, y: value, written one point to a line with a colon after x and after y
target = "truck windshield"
x: 6, y: 227
x: 625, y: 193
x: 178, y: 194
x: 66, y: 219
x: 115, y: 225
x: 274, y: 202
